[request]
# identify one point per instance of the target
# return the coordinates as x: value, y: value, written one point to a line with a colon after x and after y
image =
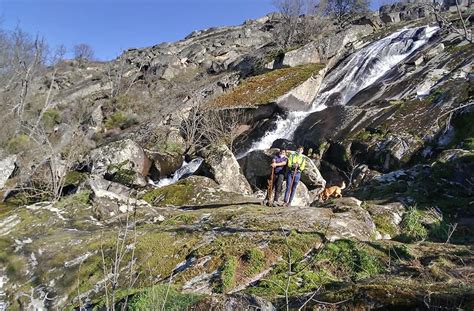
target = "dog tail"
x: 343, y: 186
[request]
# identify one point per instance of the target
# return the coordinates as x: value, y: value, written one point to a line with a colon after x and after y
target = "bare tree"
x: 345, y: 10
x: 83, y: 51
x: 191, y: 126
x: 445, y: 22
x: 222, y: 126
x: 302, y: 19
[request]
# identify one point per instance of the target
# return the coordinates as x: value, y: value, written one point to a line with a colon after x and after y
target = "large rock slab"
x: 7, y: 166
x: 221, y: 165
x: 122, y: 158
x: 194, y: 191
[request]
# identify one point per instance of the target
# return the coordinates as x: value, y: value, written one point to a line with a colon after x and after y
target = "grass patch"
x: 267, y: 87
x: 228, y: 272
x: 163, y: 297
x: 255, y: 260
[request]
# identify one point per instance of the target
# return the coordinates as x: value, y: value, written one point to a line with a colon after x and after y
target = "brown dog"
x: 332, y: 191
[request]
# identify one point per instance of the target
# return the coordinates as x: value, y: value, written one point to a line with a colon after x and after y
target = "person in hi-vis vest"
x: 296, y: 164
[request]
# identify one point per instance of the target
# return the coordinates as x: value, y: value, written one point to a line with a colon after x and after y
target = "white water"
x: 188, y: 168
x: 355, y: 73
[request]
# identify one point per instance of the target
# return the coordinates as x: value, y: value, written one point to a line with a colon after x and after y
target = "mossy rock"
x: 267, y: 87
x: 194, y: 190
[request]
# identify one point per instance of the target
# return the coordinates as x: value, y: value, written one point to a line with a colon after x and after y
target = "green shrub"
x: 51, y: 117
x: 411, y: 226
x: 159, y: 296
x: 120, y: 120
x: 18, y: 143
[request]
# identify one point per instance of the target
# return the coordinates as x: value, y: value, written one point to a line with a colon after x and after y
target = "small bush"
x: 51, y: 117
x: 120, y: 120
x: 411, y: 226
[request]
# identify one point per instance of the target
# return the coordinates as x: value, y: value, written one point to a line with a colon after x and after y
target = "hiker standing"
x: 296, y: 164
x: 278, y: 165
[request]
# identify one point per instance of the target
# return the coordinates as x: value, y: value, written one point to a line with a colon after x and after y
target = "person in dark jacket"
x: 279, y: 165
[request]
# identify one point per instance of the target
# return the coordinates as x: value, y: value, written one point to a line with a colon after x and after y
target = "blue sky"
x: 110, y: 26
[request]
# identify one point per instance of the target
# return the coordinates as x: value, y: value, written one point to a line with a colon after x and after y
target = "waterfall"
x: 355, y: 73
x: 187, y: 169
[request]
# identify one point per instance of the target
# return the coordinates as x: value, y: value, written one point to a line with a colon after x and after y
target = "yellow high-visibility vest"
x: 297, y: 158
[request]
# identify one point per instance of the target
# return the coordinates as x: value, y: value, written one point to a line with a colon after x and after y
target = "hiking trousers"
x: 289, y: 197
x: 278, y: 184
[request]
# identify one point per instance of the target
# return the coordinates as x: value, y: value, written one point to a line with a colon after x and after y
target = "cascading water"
x: 355, y: 73
x: 187, y: 169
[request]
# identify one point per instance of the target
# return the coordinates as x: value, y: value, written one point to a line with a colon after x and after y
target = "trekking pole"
x: 291, y: 185
x: 270, y: 186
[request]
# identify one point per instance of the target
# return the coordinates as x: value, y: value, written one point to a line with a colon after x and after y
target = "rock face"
x: 7, y: 166
x: 256, y: 166
x: 124, y: 159
x: 311, y: 176
x: 221, y: 165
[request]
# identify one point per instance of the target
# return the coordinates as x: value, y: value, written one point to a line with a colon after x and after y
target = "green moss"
x: 265, y: 88
x: 125, y: 177
x: 163, y: 297
x: 18, y: 143
x: 176, y: 194
x: 464, y: 131
x: 51, y: 117
x: 255, y: 259
x: 81, y: 198
x: 75, y: 178
x: 228, y: 271
x: 411, y: 226
x: 182, y: 219
x: 384, y: 224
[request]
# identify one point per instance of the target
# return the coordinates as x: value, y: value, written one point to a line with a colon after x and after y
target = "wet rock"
x: 164, y: 163
x: 7, y: 166
x: 221, y: 165
x: 124, y: 160
x: 452, y: 154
